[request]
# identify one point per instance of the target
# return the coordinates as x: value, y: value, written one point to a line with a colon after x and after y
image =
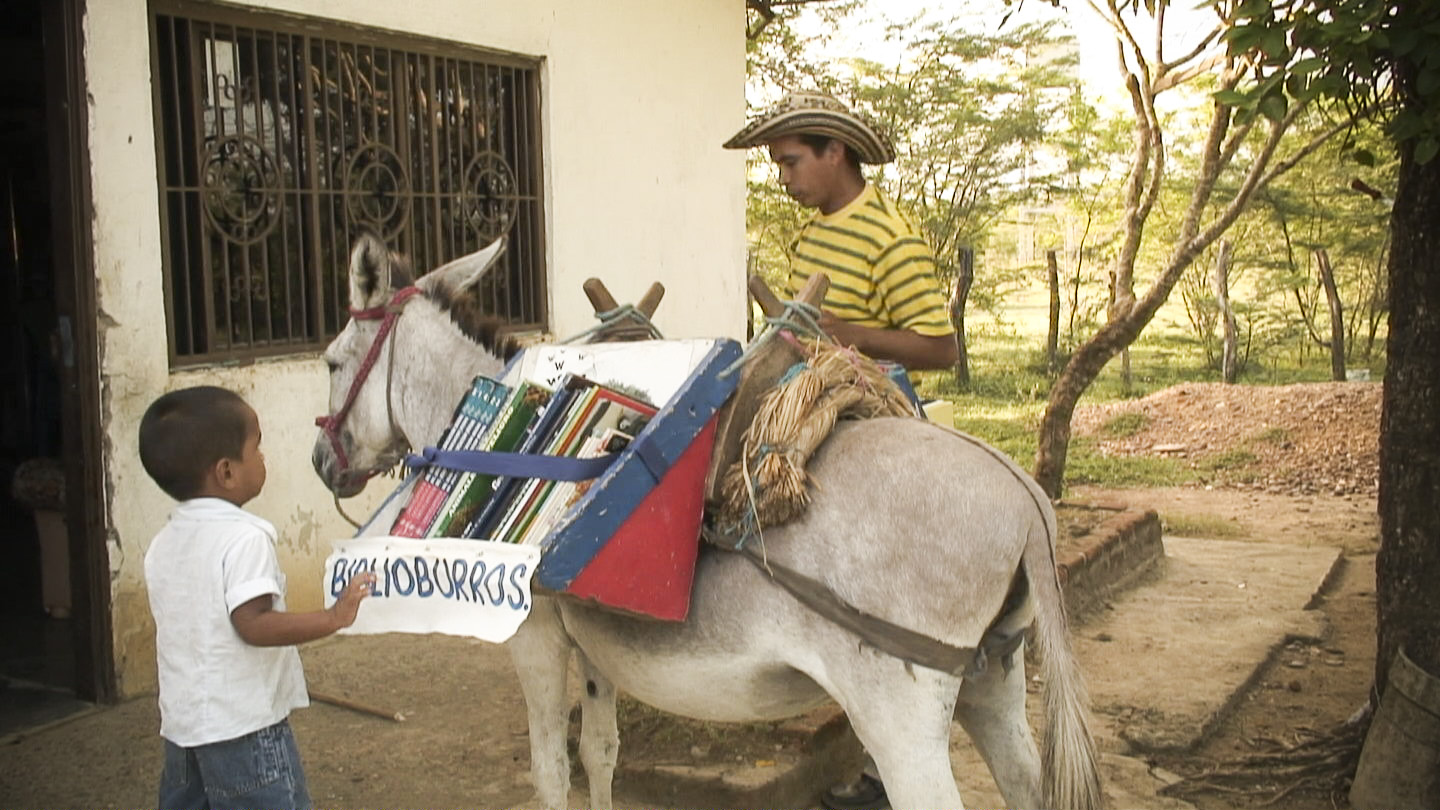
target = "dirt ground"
x: 1295, y: 464
x: 462, y: 742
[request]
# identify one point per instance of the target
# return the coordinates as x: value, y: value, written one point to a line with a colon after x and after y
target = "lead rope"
x: 338, y: 508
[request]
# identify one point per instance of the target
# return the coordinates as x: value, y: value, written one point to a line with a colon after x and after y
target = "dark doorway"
x: 46, y: 627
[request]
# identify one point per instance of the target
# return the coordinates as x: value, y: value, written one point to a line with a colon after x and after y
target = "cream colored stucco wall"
x: 636, y: 97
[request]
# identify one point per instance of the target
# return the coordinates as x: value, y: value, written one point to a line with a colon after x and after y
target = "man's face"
x: 807, y: 177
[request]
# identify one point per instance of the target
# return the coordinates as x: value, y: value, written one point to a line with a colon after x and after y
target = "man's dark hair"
x: 817, y: 144
x: 184, y: 433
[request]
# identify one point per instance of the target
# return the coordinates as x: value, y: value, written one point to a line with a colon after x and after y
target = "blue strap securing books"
x: 519, y: 465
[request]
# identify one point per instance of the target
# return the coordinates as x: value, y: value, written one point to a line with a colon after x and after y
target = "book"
x: 607, y: 411
x: 473, y: 416
x: 483, y: 523
x: 524, y: 491
x: 472, y: 490
x: 567, y: 444
x: 566, y: 494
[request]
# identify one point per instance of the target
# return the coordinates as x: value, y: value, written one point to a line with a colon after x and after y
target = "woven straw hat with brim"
x: 816, y: 114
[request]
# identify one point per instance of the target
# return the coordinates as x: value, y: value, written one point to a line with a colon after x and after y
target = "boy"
x: 229, y: 670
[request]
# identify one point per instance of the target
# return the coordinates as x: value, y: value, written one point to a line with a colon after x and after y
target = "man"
x: 884, y: 298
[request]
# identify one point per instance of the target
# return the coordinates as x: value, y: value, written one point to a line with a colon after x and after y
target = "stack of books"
x: 577, y: 418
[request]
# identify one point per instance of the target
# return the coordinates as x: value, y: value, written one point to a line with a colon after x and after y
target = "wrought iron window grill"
x: 279, y: 139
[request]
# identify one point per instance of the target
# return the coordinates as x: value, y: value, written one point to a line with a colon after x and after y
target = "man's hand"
x: 910, y: 349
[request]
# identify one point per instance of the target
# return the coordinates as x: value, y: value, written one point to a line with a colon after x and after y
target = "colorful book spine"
x: 602, y: 411
x: 566, y: 493
x: 471, y: 490
x: 531, y: 490
x: 483, y: 523
x: 477, y: 410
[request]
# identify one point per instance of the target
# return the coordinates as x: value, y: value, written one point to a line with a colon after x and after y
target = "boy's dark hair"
x: 184, y: 433
x: 817, y: 144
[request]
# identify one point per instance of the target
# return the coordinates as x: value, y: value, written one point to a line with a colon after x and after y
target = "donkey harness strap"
x: 903, y: 643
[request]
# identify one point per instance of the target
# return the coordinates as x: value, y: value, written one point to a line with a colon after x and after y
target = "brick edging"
x: 1123, y: 550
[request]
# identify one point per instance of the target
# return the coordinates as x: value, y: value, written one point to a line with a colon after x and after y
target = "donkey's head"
x: 398, y: 338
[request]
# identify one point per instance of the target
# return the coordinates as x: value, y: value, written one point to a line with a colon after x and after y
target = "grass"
x: 1125, y: 424
x: 1009, y: 386
x: 1274, y: 435
x: 1206, y: 526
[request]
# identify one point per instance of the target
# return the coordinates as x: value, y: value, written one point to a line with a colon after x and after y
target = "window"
x: 279, y: 139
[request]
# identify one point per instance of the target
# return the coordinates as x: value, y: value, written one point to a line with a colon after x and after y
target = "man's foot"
x: 865, y: 793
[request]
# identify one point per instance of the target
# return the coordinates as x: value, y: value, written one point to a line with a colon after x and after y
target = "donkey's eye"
x: 333, y: 365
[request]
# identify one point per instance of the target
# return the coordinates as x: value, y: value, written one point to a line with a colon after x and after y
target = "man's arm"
x: 260, y: 625
x: 910, y: 349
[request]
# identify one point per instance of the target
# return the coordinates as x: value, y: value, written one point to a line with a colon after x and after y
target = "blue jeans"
x: 259, y: 771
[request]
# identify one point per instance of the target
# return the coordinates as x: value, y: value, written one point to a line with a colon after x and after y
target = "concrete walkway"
x: 1168, y: 659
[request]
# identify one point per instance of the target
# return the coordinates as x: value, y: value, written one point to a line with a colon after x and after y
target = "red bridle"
x: 330, y: 424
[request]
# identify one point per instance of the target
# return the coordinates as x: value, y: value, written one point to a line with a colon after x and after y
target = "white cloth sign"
x: 459, y: 587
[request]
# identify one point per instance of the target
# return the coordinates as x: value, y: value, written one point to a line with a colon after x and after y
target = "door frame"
x: 72, y: 215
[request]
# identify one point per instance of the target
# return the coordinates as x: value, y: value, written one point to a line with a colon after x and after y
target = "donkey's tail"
x: 1068, y: 759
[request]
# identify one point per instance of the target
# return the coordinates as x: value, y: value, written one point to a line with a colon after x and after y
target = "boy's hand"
x: 347, y: 605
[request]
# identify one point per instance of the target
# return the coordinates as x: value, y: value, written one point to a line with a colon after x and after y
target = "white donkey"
x: 911, y: 522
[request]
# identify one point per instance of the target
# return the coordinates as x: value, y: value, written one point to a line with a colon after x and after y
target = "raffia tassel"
x: 793, y: 419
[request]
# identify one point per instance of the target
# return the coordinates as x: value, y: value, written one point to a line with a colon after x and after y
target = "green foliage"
x: 966, y: 110
x: 1359, y: 53
x: 1274, y: 286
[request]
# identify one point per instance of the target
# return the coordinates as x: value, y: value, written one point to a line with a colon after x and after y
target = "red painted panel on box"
x: 648, y: 565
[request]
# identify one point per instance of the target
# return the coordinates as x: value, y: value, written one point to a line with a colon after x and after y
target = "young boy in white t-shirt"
x: 229, y: 670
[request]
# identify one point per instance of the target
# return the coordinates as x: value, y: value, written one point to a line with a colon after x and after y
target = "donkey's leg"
x: 599, y: 735
x: 992, y: 712
x: 903, y: 719
x: 540, y: 651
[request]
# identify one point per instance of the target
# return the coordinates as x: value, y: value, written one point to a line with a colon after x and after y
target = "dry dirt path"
x: 463, y: 741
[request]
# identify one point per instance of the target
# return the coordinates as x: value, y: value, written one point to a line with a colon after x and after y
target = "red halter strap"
x: 387, y: 314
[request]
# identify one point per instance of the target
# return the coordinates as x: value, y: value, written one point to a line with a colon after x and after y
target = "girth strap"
x: 901, y: 642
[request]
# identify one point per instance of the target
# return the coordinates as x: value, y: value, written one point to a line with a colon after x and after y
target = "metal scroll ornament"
x: 488, y: 203
x: 240, y: 188
x: 377, y: 190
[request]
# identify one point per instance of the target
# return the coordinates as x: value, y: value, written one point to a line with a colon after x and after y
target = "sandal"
x: 865, y: 793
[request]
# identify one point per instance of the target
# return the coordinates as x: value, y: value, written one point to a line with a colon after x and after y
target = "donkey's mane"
x: 481, y: 327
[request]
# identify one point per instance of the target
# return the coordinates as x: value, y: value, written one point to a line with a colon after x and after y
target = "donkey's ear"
x: 371, y: 268
x: 465, y: 272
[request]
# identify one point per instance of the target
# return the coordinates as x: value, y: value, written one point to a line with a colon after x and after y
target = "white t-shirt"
x: 211, y: 558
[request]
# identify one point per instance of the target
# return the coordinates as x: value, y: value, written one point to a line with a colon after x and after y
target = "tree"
x: 1240, y: 148
x: 1386, y: 53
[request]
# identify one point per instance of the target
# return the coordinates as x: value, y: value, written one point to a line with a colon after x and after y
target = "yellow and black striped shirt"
x: 882, y: 272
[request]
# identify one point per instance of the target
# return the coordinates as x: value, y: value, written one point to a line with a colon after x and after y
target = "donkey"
x: 912, y: 522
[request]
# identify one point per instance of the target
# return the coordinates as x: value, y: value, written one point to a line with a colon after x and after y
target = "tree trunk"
x: 1084, y: 366
x: 1408, y: 565
x: 1337, y: 316
x: 965, y: 278
x: 1227, y: 313
x: 1052, y: 339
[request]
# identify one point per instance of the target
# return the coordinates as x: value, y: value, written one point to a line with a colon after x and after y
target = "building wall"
x: 637, y: 96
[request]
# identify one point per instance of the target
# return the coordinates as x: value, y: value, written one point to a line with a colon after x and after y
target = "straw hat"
x: 816, y: 114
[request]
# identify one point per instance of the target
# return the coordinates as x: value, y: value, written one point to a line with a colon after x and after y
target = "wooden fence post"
x: 1228, y: 370
x: 1337, y: 316
x: 1052, y: 338
x: 965, y: 278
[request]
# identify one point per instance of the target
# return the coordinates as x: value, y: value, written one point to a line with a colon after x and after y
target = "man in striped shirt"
x: 884, y: 298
